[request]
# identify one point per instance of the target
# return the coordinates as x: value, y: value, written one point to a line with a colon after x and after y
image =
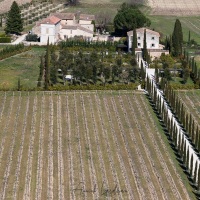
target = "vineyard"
x: 191, y: 101
x: 174, y: 7
x: 85, y: 145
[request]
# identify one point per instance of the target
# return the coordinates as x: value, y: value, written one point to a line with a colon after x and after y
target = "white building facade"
x: 152, y: 39
x: 154, y: 48
x: 60, y: 26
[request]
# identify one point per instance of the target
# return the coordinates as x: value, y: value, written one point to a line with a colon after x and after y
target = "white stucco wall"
x: 49, y: 31
x: 85, y: 21
x: 88, y: 26
x: 66, y: 33
x: 152, y: 40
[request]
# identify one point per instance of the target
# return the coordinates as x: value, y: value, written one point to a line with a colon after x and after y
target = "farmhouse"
x: 60, y: 26
x: 155, y: 49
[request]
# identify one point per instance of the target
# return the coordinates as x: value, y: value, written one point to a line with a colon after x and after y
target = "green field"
x: 23, y: 66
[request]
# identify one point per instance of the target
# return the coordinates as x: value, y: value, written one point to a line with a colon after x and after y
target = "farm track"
x: 84, y: 145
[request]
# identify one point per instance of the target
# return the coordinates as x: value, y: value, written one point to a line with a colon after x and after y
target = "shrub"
x: 32, y: 38
x: 5, y: 40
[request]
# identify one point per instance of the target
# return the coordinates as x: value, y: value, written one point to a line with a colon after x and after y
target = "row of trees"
x: 178, y: 140
x: 12, y: 50
x: 85, y: 68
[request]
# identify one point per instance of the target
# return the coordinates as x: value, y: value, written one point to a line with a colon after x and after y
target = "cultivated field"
x: 5, y: 4
x: 174, y: 7
x: 191, y: 100
x: 89, y: 145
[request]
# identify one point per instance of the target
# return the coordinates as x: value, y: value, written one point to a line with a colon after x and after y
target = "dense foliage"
x: 14, y: 22
x: 32, y: 38
x: 86, y: 68
x: 129, y: 17
x: 177, y: 38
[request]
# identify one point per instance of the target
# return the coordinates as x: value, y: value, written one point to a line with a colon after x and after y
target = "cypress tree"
x: 145, y: 54
x: 14, y: 22
x: 183, y: 116
x: 189, y: 38
x: 41, y: 72
x: 185, y: 154
x: 47, y: 65
x: 177, y: 38
x: 191, y: 166
x: 134, y: 42
x: 19, y: 84
x: 179, y: 143
x: 195, y: 173
x: 182, y: 147
x: 188, y: 158
x: 196, y: 137
x: 192, y: 132
x: 198, y: 142
x: 198, y: 186
x: 190, y: 126
x: 186, y: 120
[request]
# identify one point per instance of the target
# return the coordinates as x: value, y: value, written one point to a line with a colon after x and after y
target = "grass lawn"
x: 197, y: 59
x: 23, y: 66
x: 178, y: 81
x: 165, y: 25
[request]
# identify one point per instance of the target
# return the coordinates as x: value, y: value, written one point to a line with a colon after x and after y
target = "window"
x: 131, y: 38
x: 47, y: 31
x: 152, y: 38
x: 138, y: 38
x: 152, y: 45
x: 65, y: 36
x: 139, y: 44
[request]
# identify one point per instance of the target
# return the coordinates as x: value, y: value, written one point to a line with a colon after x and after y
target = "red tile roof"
x: 50, y: 20
x: 87, y: 17
x: 64, y: 15
x: 141, y: 30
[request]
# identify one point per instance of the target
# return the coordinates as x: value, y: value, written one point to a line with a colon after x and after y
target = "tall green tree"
x: 47, y: 67
x: 145, y: 53
x: 129, y: 16
x: 134, y: 42
x: 41, y: 75
x: 177, y: 38
x: 14, y: 22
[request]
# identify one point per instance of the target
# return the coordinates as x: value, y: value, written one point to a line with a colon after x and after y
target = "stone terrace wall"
x: 5, y: 4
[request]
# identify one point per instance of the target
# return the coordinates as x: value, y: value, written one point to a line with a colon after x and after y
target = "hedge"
x: 5, y: 40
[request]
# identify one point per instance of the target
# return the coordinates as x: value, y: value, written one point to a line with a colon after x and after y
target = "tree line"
x: 85, y: 67
x: 177, y: 141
